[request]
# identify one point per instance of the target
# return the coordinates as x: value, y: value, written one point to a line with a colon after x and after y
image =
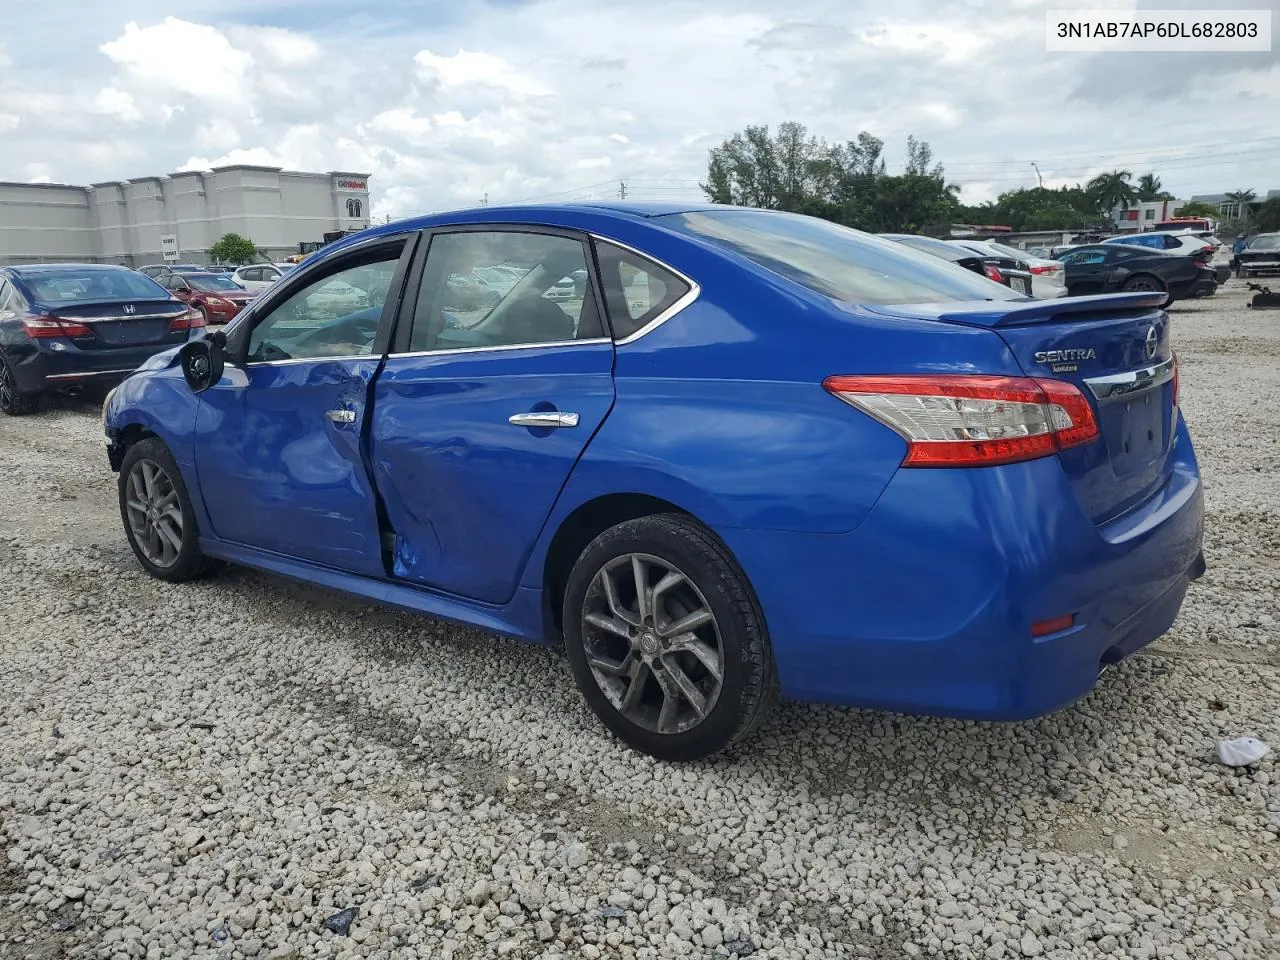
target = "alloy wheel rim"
x: 154, y: 514
x: 6, y: 387
x: 1145, y: 285
x: 652, y: 643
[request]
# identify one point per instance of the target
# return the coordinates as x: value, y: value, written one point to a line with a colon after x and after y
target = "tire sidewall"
x: 190, y: 559
x: 721, y: 725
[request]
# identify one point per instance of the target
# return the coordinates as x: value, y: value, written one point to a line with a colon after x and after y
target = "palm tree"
x: 1112, y: 190
x: 1242, y: 199
x: 1150, y: 188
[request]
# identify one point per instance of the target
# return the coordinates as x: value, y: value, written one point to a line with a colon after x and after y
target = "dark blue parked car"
x: 67, y: 326
x: 761, y: 453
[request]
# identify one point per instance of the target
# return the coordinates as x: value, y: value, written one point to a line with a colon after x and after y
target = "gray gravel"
x: 222, y: 769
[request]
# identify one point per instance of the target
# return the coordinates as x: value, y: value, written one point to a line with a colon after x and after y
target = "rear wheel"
x: 158, y: 517
x: 1145, y: 283
x: 14, y: 402
x: 666, y: 640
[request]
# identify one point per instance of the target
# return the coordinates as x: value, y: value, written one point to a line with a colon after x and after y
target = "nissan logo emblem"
x: 1152, y: 343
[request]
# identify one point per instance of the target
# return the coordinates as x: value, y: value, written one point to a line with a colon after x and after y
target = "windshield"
x: 88, y: 286
x: 841, y: 263
x: 1271, y: 242
x: 214, y: 284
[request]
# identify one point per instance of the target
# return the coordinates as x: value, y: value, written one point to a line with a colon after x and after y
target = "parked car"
x: 717, y: 492
x: 215, y: 295
x: 159, y: 271
x: 1047, y: 276
x: 1185, y: 243
x: 68, y: 326
x: 258, y: 277
x: 1108, y: 267
x: 1261, y: 256
x: 1019, y: 281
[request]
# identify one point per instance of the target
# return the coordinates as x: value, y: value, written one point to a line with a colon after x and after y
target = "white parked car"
x: 1048, y: 277
x: 1186, y: 243
x: 258, y: 276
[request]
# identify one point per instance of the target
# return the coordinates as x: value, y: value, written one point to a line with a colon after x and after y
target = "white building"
x: 1145, y: 214
x: 125, y: 221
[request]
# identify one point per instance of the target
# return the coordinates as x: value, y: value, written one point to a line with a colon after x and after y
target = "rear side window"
x: 637, y: 291
x: 844, y: 264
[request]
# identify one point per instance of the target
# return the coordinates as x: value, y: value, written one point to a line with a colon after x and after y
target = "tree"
x: 1266, y: 217
x: 847, y: 183
x: 233, y: 248
x: 1243, y: 200
x: 1039, y: 208
x: 1112, y: 190
x: 1149, y: 188
x: 1199, y: 209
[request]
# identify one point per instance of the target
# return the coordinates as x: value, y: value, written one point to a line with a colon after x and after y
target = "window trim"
x: 694, y: 291
x: 241, y: 329
x: 403, y: 332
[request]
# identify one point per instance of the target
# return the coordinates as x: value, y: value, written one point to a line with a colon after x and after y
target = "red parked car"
x: 215, y: 295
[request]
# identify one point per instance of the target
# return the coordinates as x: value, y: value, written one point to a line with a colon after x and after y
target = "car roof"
x: 35, y: 269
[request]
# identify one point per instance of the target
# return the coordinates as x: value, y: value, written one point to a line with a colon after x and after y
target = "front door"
x: 280, y: 457
x: 501, y: 376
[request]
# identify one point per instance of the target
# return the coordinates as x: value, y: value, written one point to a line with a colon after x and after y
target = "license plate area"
x: 1017, y: 285
x: 1136, y: 429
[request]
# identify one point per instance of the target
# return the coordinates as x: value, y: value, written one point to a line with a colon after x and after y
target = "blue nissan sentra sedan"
x: 757, y: 454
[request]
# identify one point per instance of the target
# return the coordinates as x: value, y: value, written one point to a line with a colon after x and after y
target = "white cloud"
x: 281, y: 48
x: 471, y: 68
x: 403, y: 121
x: 592, y: 163
x: 9, y: 122
x: 216, y: 134
x: 620, y: 137
x: 177, y: 55
x: 117, y: 103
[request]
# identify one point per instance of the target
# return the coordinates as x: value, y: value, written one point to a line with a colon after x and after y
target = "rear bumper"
x: 927, y: 607
x: 60, y: 365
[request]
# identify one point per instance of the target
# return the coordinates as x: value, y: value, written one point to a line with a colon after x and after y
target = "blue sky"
x: 446, y: 102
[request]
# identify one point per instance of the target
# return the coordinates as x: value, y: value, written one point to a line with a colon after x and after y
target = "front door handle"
x: 549, y: 418
x: 341, y: 416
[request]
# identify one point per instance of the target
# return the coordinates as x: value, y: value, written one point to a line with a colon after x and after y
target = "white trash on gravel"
x: 1242, y: 751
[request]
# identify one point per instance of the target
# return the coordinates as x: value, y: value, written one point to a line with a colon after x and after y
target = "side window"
x: 495, y: 288
x: 334, y: 315
x: 5, y: 298
x: 636, y: 290
x: 254, y: 273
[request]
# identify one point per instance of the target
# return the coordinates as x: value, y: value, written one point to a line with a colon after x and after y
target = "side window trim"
x: 403, y: 335
x: 279, y: 292
x: 690, y: 295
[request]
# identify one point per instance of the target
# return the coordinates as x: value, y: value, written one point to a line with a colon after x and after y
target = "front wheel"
x: 159, y: 520
x: 666, y: 640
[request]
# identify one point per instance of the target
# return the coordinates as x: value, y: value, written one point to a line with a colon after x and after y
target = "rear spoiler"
x: 1012, y: 313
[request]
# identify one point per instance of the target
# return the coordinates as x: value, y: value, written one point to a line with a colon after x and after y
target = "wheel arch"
x: 578, y: 528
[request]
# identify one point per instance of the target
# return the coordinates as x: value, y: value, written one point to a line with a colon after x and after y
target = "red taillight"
x: 956, y: 420
x: 992, y: 273
x: 190, y: 320
x: 1042, y: 628
x: 1043, y: 269
x: 49, y: 327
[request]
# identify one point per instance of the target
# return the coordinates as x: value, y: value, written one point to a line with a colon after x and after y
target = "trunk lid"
x: 1115, y: 349
x: 125, y: 323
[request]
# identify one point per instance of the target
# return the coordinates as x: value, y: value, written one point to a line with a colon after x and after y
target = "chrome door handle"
x: 341, y: 416
x: 543, y: 419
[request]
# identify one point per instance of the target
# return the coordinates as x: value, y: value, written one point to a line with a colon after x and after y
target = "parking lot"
x: 215, y: 769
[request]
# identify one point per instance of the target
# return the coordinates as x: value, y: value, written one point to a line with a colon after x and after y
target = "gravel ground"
x: 216, y: 770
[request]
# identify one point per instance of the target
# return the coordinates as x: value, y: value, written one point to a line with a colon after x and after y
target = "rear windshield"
x: 213, y: 284
x: 841, y: 263
x: 87, y: 286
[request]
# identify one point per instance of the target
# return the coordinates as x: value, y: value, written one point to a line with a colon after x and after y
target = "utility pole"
x: 1038, y: 177
x: 622, y: 189
x: 484, y: 201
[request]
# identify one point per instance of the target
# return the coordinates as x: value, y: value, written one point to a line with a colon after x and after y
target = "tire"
x: 703, y: 579
x: 1143, y: 282
x: 1240, y: 273
x: 158, y: 554
x: 14, y: 402
x: 204, y: 314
